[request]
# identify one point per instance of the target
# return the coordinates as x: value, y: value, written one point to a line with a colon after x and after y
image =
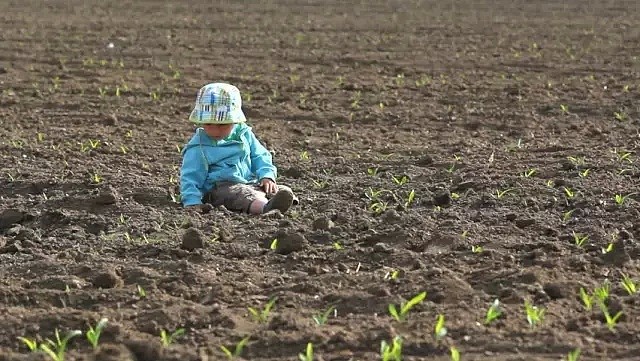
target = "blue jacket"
x: 239, y: 158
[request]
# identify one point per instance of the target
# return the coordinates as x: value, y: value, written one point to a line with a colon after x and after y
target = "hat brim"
x: 235, y: 117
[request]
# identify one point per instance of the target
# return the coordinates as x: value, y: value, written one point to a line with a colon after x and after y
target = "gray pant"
x: 238, y: 196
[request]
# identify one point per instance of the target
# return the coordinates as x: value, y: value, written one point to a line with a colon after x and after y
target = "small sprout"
x: 439, y: 330
x: 587, y: 299
x: 321, y: 319
x: 57, y: 348
x: 579, y: 239
x: 569, y: 193
x: 337, y: 246
x: 455, y: 354
x: 564, y: 108
x: 573, y: 355
x: 500, y: 194
x: 405, y: 307
x: 393, y: 351
x: 372, y: 171
x: 410, y: 198
x: 320, y: 184
x: 602, y: 292
x: 32, y: 345
x: 620, y: 199
x: 529, y: 173
x: 451, y: 168
x: 393, y: 275
x: 304, y: 156
x: 40, y: 137
x: 625, y: 88
x: 141, y: 292
x: 178, y: 148
x: 455, y: 196
x: 400, y: 180
x: 378, y: 208
x: 168, y: 338
x: 577, y: 161
x: 308, y: 355
x: 93, y: 335
x: 622, y: 156
x: 584, y: 173
x: 493, y: 313
x: 237, y: 350
x: 274, y: 244
x: 607, y: 249
x: 628, y: 284
x: 97, y: 179
x: 535, y: 315
x: 611, y: 320
x: 621, y: 116
x: 477, y: 249
x: 550, y: 183
x: 567, y: 215
x: 262, y: 316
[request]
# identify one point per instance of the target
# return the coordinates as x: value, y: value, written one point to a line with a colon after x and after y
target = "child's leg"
x: 238, y: 197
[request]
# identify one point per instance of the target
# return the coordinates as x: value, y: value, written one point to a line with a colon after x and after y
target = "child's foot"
x: 281, y: 201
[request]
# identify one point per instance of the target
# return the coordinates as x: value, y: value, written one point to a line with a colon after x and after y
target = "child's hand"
x: 269, y: 186
x: 199, y: 208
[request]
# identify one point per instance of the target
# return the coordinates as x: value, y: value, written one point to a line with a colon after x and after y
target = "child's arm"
x: 192, y: 176
x: 261, y: 160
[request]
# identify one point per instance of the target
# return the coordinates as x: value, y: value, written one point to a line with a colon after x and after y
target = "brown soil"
x: 461, y: 98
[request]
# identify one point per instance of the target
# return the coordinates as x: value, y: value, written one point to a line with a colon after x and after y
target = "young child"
x: 224, y: 163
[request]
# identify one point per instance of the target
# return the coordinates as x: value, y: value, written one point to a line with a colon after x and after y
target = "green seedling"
x: 372, y: 171
x: 501, y: 193
x: 308, y: 354
x: 304, y: 156
x: 577, y: 161
x: 587, y: 299
x: 178, y: 148
x: 400, y: 180
x: 602, y: 292
x: 567, y: 215
x: 535, y: 315
x: 622, y: 156
x: 477, y: 249
x: 337, y: 246
x: 57, y: 348
x: 451, y: 168
x: 607, y: 249
x: 320, y: 184
x: 262, y: 316
x: 564, y: 108
x: 97, y: 179
x: 584, y: 173
x: 629, y: 285
x: 550, y: 183
x: 621, y: 116
x: 237, y: 350
x: 611, y: 320
x: 393, y: 275
x: 168, y: 338
x: 274, y: 244
x: 93, y: 335
x: 493, y: 313
x: 455, y: 354
x: 625, y: 88
x: 455, y: 196
x: 32, y: 345
x: 573, y: 355
x: 620, y: 199
x: 141, y: 292
x: 393, y: 351
x: 529, y: 173
x: 322, y: 318
x: 405, y: 307
x: 569, y: 193
x: 40, y: 137
x: 410, y: 198
x: 378, y: 208
x: 439, y: 330
x: 374, y: 195
x: 579, y: 239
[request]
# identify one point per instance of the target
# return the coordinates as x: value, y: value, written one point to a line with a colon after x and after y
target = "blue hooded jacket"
x: 239, y: 158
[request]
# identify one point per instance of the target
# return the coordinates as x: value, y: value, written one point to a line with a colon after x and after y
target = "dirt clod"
x: 192, y: 238
x: 323, y: 223
x: 9, y: 217
x: 442, y: 198
x: 107, y: 279
x: 289, y: 242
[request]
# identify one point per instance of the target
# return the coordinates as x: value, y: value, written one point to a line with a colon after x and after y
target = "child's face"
x: 218, y: 131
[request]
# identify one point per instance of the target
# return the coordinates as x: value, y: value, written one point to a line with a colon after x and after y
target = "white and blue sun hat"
x: 218, y: 103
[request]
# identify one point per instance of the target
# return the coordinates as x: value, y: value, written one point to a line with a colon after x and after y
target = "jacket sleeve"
x: 193, y: 174
x: 261, y: 160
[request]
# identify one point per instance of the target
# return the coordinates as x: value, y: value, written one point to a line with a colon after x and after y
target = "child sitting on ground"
x: 224, y: 163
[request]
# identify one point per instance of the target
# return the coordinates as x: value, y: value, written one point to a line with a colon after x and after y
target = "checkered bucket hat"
x: 218, y: 103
